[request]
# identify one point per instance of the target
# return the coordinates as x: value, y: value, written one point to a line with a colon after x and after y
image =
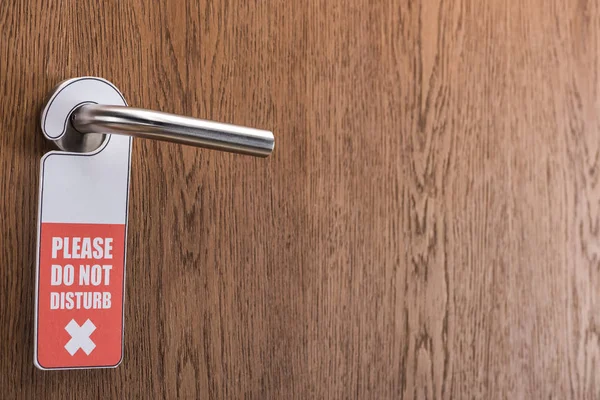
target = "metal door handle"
x: 121, y: 120
x: 83, y: 127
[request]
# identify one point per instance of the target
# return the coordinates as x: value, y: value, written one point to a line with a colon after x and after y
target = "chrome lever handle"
x: 122, y: 120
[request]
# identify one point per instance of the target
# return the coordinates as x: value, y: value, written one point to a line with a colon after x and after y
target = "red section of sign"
x: 80, y: 295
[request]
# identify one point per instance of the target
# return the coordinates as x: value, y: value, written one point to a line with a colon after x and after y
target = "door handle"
x: 89, y: 119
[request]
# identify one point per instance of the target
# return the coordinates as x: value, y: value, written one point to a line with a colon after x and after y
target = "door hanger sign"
x: 82, y: 230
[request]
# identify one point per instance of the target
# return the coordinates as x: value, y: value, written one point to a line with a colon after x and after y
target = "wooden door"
x: 427, y: 226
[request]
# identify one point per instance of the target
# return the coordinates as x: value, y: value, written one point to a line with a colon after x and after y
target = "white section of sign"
x: 84, y: 188
x: 80, y: 337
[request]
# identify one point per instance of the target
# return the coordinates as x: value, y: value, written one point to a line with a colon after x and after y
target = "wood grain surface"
x: 427, y: 227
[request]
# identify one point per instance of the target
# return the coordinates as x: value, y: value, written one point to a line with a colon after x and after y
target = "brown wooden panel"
x: 427, y: 227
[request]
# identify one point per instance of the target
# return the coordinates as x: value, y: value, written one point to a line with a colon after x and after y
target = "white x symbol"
x: 80, y: 337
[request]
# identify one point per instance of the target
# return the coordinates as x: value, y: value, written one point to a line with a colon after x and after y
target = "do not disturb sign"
x: 82, y: 225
